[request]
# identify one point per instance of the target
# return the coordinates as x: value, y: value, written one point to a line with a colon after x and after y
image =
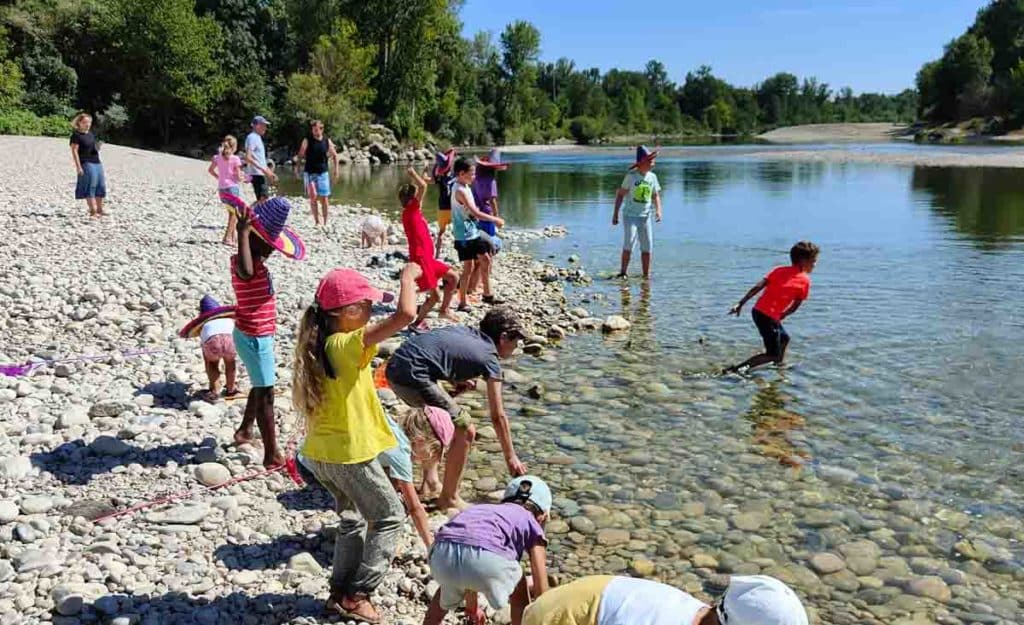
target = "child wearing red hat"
x: 347, y: 429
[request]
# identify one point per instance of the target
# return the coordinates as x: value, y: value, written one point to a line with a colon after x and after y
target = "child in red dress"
x: 421, y: 252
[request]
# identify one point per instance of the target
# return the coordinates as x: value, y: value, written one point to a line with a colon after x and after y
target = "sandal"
x: 208, y: 396
x: 463, y: 308
x: 362, y: 611
x: 234, y: 392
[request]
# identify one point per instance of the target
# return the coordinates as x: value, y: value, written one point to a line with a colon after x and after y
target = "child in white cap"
x: 479, y: 550
x: 606, y: 600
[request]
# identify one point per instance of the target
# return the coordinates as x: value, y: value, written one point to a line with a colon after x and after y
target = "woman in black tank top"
x: 318, y: 152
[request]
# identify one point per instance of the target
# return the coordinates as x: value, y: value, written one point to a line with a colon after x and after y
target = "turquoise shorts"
x: 257, y: 354
x: 460, y: 568
x: 398, y: 459
x: 321, y: 183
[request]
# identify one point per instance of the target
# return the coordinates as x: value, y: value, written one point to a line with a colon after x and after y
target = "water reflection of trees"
x: 985, y: 203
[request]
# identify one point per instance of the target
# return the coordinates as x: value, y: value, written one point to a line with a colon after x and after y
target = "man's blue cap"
x: 259, y: 119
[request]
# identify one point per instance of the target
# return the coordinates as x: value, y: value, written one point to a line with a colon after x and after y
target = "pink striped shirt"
x: 255, y: 304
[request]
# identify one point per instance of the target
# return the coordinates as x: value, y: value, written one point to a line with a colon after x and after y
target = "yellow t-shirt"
x: 573, y: 604
x: 350, y: 426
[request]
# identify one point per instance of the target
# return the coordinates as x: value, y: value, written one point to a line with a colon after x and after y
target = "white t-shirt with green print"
x: 640, y: 190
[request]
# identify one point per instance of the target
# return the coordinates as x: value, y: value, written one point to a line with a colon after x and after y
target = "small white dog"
x: 375, y: 232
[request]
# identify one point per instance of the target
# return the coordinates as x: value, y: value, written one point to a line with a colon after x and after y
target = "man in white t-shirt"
x: 256, y: 158
x: 605, y: 600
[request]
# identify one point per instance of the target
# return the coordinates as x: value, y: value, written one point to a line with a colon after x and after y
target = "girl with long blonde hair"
x: 227, y: 169
x: 91, y: 184
x: 348, y: 431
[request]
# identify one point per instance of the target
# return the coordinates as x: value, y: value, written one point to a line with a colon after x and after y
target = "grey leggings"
x: 368, y: 505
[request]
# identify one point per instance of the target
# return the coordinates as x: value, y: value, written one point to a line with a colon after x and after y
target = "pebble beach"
x: 83, y: 439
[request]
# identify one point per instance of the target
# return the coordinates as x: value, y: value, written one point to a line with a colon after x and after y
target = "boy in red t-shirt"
x: 421, y: 252
x: 785, y: 288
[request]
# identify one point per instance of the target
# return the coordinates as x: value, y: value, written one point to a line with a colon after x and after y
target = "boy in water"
x: 642, y: 189
x: 785, y: 288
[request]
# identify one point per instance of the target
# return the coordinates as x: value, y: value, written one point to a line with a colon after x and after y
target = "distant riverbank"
x: 835, y: 133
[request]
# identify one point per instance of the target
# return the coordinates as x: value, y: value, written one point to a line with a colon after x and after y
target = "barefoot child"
x: 420, y: 252
x: 479, y: 551
x: 214, y: 326
x: 606, y: 600
x: 485, y: 194
x: 347, y: 429
x: 471, y: 248
x: 458, y: 354
x: 640, y: 189
x: 397, y: 461
x: 261, y: 230
x: 785, y: 288
x: 227, y: 169
x: 444, y: 178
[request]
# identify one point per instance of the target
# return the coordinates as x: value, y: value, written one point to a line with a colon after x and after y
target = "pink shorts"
x: 219, y: 346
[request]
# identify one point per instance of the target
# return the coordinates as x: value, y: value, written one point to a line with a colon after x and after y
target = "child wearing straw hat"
x: 215, y: 327
x: 640, y: 190
x: 261, y: 231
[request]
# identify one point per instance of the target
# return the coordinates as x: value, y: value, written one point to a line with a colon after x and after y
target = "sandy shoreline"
x: 835, y: 133
x: 98, y: 436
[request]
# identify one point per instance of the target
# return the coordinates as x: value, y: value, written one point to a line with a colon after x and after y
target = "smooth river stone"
x: 825, y: 563
x: 930, y: 586
x: 610, y: 537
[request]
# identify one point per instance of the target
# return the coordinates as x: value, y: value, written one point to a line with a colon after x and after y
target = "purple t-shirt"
x: 485, y: 189
x: 506, y: 529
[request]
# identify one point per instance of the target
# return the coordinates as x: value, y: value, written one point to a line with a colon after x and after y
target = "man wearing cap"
x: 458, y: 354
x: 256, y: 158
x: 606, y: 600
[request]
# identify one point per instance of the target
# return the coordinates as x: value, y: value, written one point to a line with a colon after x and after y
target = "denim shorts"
x: 92, y: 183
x: 634, y: 228
x: 321, y: 183
x: 257, y: 354
x: 461, y: 568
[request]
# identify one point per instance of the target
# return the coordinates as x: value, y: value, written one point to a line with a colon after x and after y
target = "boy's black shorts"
x: 772, y: 333
x: 469, y: 250
x: 259, y: 187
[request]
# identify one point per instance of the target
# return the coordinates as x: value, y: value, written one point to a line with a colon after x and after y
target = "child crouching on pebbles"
x: 214, y: 326
x: 479, y: 551
x: 347, y: 429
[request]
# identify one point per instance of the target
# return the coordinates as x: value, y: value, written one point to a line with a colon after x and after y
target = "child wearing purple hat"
x: 214, y: 326
x: 261, y: 231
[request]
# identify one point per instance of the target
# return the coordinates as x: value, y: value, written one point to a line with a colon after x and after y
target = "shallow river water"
x: 879, y: 472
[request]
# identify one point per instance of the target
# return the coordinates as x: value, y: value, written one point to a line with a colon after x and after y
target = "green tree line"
x: 981, y: 72
x: 177, y: 73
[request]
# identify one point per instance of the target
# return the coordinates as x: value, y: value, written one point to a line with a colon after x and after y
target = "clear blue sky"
x: 869, y: 45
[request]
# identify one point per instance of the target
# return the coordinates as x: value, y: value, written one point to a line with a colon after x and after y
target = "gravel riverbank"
x: 81, y: 439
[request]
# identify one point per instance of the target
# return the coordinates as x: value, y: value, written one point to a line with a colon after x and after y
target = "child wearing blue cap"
x: 640, y: 190
x: 479, y: 550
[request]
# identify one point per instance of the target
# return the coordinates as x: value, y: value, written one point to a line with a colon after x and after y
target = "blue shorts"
x: 397, y: 460
x: 92, y: 183
x: 257, y: 354
x: 634, y: 228
x: 321, y: 184
x: 460, y: 568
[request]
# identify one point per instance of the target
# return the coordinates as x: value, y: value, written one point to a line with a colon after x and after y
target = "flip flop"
x: 334, y: 605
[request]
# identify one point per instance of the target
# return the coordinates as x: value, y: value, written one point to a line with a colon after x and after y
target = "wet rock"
x: 930, y: 586
x: 615, y: 323
x: 583, y: 525
x: 611, y: 537
x: 704, y: 561
x: 641, y: 567
x: 825, y: 563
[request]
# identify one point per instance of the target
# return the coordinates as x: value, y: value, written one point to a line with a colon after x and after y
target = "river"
x: 891, y: 439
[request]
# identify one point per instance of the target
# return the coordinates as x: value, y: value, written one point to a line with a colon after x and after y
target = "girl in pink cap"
x: 347, y: 429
